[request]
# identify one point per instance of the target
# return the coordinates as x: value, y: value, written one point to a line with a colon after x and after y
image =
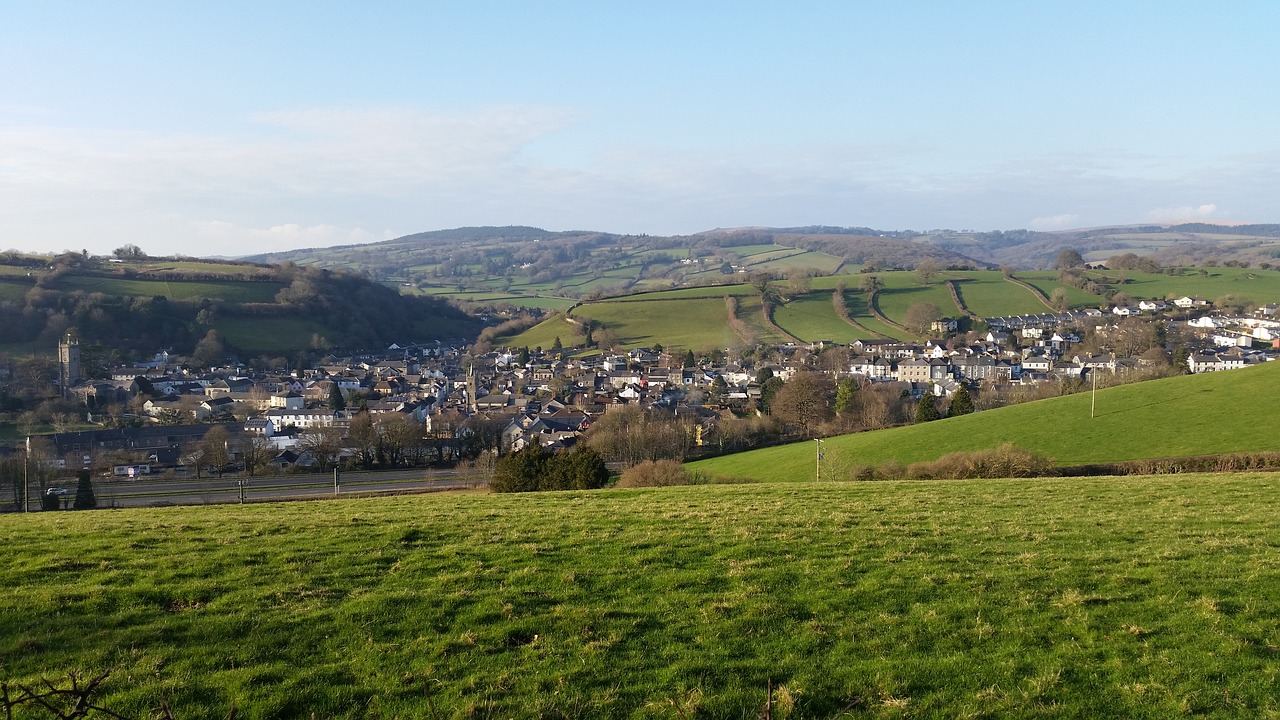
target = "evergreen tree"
x: 845, y: 390
x: 581, y: 469
x: 521, y: 471
x: 336, y: 401
x: 961, y: 403
x: 85, y: 499
x: 689, y: 359
x: 557, y: 346
x: 768, y: 389
x: 926, y: 410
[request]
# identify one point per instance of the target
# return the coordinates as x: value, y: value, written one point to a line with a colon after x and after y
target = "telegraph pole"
x: 1093, y: 401
x: 26, y: 478
x: 817, y: 469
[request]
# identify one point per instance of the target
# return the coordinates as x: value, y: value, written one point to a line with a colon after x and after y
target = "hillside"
x: 1103, y: 598
x: 1177, y: 244
x: 524, y: 262
x: 143, y: 304
x: 1174, y: 417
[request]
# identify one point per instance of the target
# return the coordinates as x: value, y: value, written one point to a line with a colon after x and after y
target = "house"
x: 1152, y: 305
x: 1189, y: 301
x: 288, y: 401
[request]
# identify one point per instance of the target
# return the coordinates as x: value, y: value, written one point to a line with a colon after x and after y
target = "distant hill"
x: 1180, y: 244
x: 1206, y: 414
x: 137, y: 306
x: 494, y: 250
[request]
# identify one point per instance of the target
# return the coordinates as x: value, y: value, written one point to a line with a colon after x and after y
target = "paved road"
x: 144, y: 491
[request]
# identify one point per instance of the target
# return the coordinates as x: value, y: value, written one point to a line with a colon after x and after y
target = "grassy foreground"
x: 1138, y: 597
x: 1210, y: 414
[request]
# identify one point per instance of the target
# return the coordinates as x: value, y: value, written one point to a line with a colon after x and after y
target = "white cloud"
x: 1183, y: 212
x: 322, y: 176
x: 1054, y: 222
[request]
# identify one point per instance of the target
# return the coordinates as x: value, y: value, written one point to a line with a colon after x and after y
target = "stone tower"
x: 68, y: 363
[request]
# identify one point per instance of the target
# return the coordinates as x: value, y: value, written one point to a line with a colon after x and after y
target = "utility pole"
x: 26, y: 478
x: 335, y: 482
x: 1093, y: 401
x: 817, y: 469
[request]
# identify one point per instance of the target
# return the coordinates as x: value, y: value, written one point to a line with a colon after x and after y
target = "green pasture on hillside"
x: 15, y: 288
x: 812, y: 317
x: 544, y: 334
x: 271, y: 334
x: 751, y: 312
x: 1099, y: 598
x: 988, y: 294
x: 228, y: 290
x: 198, y: 266
x: 894, y: 302
x: 1253, y: 284
x: 798, y: 260
x: 1208, y: 414
x: 700, y: 324
x: 1047, y: 281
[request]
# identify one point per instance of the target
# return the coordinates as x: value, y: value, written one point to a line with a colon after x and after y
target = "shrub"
x: 1005, y: 461
x: 654, y: 473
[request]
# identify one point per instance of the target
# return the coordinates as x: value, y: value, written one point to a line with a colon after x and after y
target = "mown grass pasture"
x: 988, y: 294
x: 1174, y: 417
x: 227, y: 290
x: 1250, y: 284
x: 268, y: 334
x: 1108, y: 598
x: 813, y: 317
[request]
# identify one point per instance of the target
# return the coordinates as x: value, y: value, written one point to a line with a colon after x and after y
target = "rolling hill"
x: 143, y: 304
x: 1175, y: 417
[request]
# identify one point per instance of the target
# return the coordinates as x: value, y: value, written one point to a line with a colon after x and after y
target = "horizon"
x: 238, y: 129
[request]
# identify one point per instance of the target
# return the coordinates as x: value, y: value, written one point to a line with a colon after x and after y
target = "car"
x: 59, y: 491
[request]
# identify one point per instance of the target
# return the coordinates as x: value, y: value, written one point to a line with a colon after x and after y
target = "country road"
x: 145, y: 492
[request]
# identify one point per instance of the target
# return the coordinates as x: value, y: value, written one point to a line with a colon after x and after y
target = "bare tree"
x: 805, y: 401
x: 325, y: 444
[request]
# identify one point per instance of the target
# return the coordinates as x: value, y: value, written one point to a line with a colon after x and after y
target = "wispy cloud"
x: 1054, y: 222
x: 320, y: 176
x: 1183, y: 212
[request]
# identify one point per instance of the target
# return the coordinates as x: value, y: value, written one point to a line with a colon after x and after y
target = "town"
x: 434, y: 403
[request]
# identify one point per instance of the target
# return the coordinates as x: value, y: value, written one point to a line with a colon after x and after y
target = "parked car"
x: 59, y: 491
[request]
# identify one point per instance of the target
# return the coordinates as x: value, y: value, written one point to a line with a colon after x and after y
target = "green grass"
x: 14, y: 288
x: 1189, y: 415
x: 799, y: 260
x: 902, y: 291
x: 1139, y: 597
x: 1259, y: 286
x: 813, y: 317
x: 988, y: 294
x: 272, y: 334
x: 697, y: 324
x: 229, y: 290
x: 1047, y: 281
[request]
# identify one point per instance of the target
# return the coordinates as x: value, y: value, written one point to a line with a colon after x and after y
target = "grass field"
x: 901, y: 291
x: 1259, y: 286
x: 813, y: 317
x: 1189, y: 415
x: 229, y: 290
x: 271, y: 334
x: 1047, y: 281
x: 988, y: 294
x: 14, y: 288
x: 696, y: 324
x: 1103, y: 598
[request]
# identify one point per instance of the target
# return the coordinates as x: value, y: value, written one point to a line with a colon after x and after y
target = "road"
x: 145, y: 492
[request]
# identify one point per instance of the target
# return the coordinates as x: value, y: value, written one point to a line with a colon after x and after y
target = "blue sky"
x: 234, y: 127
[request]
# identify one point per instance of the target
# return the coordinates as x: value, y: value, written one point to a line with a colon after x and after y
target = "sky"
x: 233, y: 128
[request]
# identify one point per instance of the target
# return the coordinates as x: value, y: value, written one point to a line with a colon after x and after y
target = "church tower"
x: 68, y: 363
x: 472, y: 407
